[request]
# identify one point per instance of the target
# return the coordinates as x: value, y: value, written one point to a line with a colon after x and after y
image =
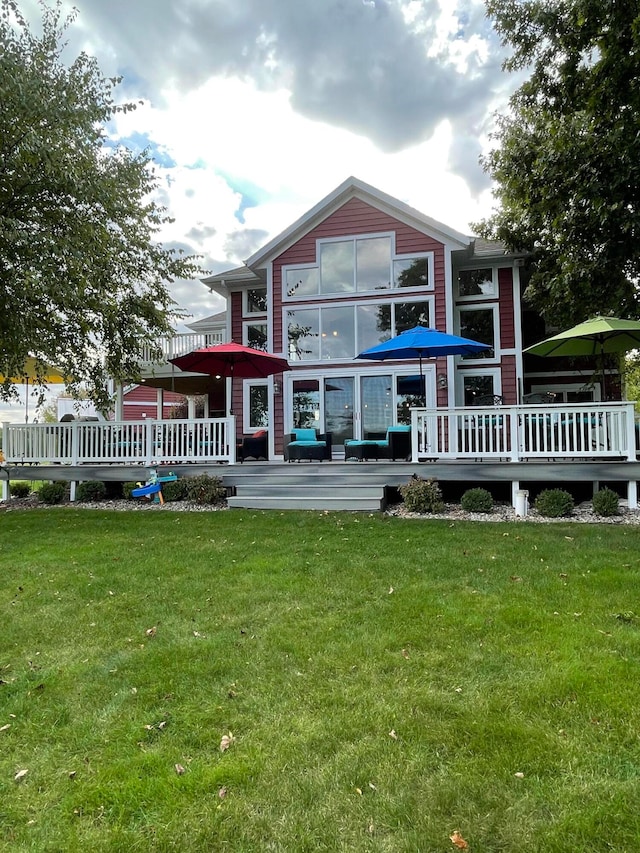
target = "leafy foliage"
x: 422, y: 495
x: 51, y: 493
x: 80, y: 271
x: 175, y: 491
x: 477, y: 500
x: 20, y: 489
x: 567, y: 164
x: 205, y: 489
x: 606, y: 503
x: 554, y: 503
x: 127, y: 488
x: 91, y: 490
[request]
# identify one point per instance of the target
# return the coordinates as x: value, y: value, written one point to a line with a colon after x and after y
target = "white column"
x: 191, y: 408
x: 159, y: 404
x: 119, y: 411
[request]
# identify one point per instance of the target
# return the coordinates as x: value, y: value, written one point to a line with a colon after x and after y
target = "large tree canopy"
x: 83, y: 282
x: 567, y: 165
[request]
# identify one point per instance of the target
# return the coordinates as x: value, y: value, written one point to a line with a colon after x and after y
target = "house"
x: 361, y: 267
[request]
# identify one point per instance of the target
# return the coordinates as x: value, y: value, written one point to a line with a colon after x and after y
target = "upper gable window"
x: 476, y: 282
x: 357, y: 265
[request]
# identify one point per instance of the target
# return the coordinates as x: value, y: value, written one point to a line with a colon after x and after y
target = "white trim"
x: 247, y: 429
x: 349, y: 189
x: 596, y: 389
x: 494, y: 372
x: 350, y: 303
x: 483, y: 306
x: 478, y: 297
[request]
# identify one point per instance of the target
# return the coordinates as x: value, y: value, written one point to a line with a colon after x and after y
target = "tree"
x: 567, y: 167
x: 83, y: 284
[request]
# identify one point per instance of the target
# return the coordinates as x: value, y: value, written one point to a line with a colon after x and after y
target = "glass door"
x: 376, y: 406
x: 339, y: 408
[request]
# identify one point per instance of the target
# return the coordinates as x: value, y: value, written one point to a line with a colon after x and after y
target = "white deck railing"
x: 144, y: 442
x: 517, y: 433
x: 181, y: 345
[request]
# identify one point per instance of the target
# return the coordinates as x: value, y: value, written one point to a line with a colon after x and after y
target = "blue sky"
x: 254, y: 110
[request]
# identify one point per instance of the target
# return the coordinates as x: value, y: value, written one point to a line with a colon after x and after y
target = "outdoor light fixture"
x: 277, y: 387
x: 442, y: 380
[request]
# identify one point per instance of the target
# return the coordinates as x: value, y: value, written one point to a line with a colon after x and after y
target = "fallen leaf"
x: 20, y: 775
x: 226, y: 742
x: 151, y: 632
x: 179, y: 769
x: 5, y: 727
x: 519, y: 775
x: 359, y: 791
x: 515, y: 578
x: 222, y: 792
x: 72, y: 774
x: 372, y: 786
x: 148, y: 727
x: 390, y: 590
x: 459, y: 841
x: 405, y: 654
x: 162, y: 724
x: 393, y: 734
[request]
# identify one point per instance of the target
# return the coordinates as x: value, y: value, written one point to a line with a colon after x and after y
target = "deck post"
x: 632, y: 494
x: 6, y: 492
x: 515, y: 487
x: 72, y: 491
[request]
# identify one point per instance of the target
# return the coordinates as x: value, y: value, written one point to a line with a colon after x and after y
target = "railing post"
x: 515, y: 433
x: 149, y: 427
x: 74, y: 443
x: 231, y: 439
x: 414, y: 434
x: 631, y: 432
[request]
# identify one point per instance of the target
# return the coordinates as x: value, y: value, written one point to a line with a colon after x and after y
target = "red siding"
x: 509, y: 385
x: 507, y: 322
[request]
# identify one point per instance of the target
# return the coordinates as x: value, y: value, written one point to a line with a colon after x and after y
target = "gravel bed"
x: 582, y: 513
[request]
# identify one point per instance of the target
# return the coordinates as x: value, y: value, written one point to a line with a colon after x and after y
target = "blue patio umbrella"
x: 422, y: 342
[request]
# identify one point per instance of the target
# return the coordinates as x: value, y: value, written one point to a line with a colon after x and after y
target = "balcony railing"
x: 144, y: 442
x: 518, y: 433
x: 181, y: 345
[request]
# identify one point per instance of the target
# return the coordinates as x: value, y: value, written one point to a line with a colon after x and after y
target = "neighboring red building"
x: 357, y: 269
x: 141, y: 401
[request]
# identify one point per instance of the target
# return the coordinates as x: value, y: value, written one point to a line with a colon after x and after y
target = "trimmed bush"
x: 554, y: 503
x: 20, y: 489
x: 422, y: 495
x: 477, y: 500
x: 91, y: 490
x: 606, y: 502
x: 205, y: 489
x: 127, y: 488
x: 176, y: 491
x: 51, y: 493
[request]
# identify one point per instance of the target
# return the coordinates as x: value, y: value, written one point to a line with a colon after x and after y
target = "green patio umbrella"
x: 597, y: 336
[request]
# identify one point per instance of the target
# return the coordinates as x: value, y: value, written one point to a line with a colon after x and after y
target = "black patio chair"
x: 253, y: 447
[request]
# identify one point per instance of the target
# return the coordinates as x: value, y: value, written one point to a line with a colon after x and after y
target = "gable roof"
x: 354, y: 188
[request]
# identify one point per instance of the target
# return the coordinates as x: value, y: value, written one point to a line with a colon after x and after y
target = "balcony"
x: 180, y: 345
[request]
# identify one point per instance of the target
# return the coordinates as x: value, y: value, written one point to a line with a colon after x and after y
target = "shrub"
x: 175, y: 491
x: 20, y: 489
x: 422, y: 495
x: 51, y: 493
x: 606, y: 502
x: 205, y: 489
x: 554, y: 503
x: 477, y: 500
x: 127, y: 488
x: 91, y: 490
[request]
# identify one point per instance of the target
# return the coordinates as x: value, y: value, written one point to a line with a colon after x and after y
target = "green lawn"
x: 387, y: 682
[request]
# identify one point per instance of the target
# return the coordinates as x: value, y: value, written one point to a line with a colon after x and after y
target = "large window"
x: 476, y: 282
x: 341, y: 332
x: 256, y: 335
x: 479, y: 324
x: 356, y: 265
x: 256, y: 300
x: 258, y: 408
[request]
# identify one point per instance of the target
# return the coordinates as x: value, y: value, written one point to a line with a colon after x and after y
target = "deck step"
x: 322, y: 490
x: 311, y: 502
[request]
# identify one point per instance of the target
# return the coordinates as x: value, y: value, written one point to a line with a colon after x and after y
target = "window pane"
x: 376, y: 405
x: 476, y: 282
x: 478, y: 325
x: 337, y: 267
x: 475, y: 387
x: 306, y: 403
x: 258, y: 406
x: 302, y: 282
x: 373, y: 263
x: 410, y: 314
x: 303, y: 330
x: 410, y: 391
x: 411, y: 272
x: 257, y: 300
x: 374, y: 325
x: 257, y: 336
x: 338, y: 333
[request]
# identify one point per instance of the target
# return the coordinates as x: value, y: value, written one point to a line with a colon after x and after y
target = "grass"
x: 386, y: 682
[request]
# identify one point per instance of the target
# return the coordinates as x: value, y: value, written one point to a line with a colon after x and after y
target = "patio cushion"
x: 305, y: 434
x: 307, y: 443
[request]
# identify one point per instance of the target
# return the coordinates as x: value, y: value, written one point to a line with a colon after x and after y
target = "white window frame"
x: 568, y: 386
x: 245, y: 302
x: 247, y: 429
x: 261, y: 320
x: 483, y: 306
x: 393, y: 256
x: 494, y: 372
x: 477, y: 297
x: 416, y: 296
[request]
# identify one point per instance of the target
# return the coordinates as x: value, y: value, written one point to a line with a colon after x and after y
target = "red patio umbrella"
x: 232, y: 360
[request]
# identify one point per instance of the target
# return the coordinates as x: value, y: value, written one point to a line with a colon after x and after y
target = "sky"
x: 254, y: 110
